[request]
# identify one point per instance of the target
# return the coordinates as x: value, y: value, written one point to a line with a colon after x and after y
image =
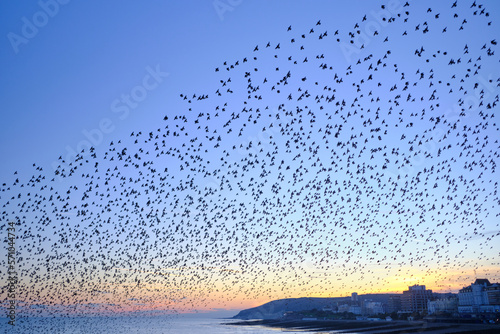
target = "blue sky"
x: 86, y: 72
x: 88, y: 54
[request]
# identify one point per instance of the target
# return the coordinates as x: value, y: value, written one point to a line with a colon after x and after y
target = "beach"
x: 371, y: 327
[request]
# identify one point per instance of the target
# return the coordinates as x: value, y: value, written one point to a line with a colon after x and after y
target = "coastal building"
x: 352, y: 305
x: 394, y: 304
x: 479, y: 297
x: 415, y: 299
x: 493, y: 292
x: 372, y: 308
x: 355, y: 309
x: 443, y: 305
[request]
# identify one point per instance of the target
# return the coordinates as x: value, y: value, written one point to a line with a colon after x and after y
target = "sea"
x: 128, y: 325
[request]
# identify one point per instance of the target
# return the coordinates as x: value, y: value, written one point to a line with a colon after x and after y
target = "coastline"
x: 371, y: 327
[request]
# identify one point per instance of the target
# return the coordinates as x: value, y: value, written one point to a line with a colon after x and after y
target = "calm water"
x: 128, y: 325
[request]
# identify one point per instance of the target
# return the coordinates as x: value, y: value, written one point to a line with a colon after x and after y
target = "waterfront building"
x: 372, y: 308
x: 443, y: 305
x: 479, y: 297
x: 415, y: 298
x: 394, y: 304
x: 355, y: 309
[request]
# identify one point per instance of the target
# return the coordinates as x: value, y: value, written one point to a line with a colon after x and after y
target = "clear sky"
x: 225, y: 172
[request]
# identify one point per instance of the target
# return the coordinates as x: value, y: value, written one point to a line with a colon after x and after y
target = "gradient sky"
x: 66, y: 83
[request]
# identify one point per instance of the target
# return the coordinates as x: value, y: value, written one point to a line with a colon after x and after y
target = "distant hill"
x: 276, y: 308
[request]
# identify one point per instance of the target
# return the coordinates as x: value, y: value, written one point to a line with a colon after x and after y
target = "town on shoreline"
x: 477, y: 303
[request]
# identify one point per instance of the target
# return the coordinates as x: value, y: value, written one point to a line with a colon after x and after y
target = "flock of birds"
x: 329, y: 161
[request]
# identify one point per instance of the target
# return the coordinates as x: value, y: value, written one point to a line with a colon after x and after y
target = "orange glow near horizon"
x: 130, y: 298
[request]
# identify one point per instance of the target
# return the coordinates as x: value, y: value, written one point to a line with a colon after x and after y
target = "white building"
x: 355, y: 309
x: 349, y: 308
x: 373, y: 308
x: 448, y: 305
x: 479, y: 297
